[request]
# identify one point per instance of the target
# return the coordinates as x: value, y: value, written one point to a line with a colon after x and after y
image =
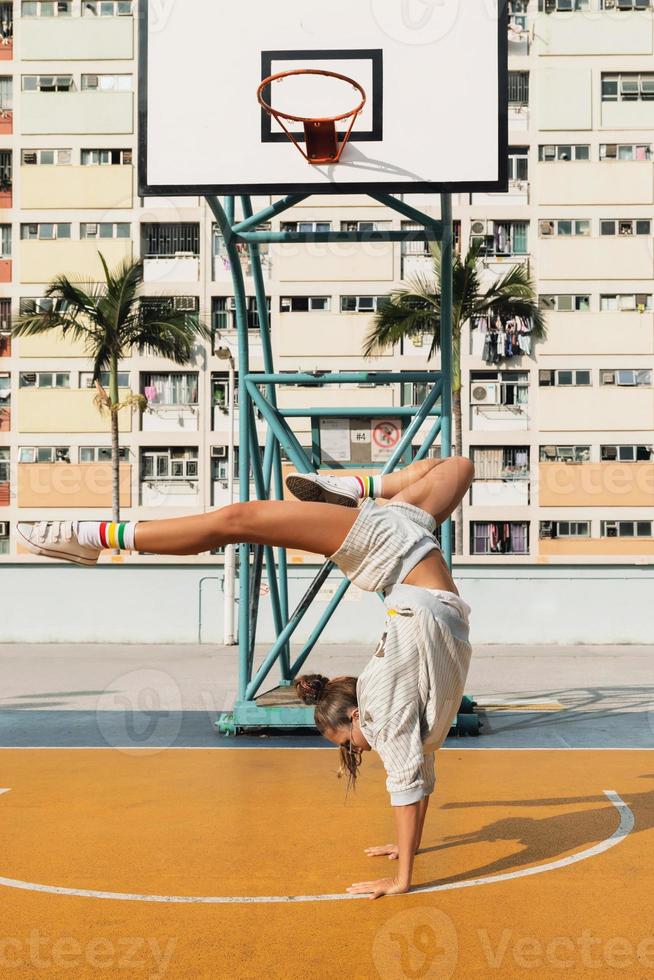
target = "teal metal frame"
x: 259, y: 391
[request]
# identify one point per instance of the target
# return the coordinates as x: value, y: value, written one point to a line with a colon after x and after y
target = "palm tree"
x: 414, y: 310
x: 110, y: 319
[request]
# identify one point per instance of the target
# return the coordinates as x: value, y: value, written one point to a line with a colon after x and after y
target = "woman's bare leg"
x: 399, y: 480
x: 440, y: 490
x: 319, y: 528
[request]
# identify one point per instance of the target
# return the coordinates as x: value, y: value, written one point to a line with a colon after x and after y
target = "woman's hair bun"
x: 310, y: 687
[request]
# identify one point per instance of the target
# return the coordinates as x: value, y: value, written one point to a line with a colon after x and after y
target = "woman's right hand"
x: 392, y: 850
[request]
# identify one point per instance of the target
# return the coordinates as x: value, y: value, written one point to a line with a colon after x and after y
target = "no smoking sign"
x: 385, y: 437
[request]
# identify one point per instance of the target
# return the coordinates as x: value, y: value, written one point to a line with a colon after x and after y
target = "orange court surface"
x: 233, y: 863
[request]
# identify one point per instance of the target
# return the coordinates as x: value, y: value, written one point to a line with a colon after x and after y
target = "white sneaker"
x: 323, y: 489
x: 56, y: 539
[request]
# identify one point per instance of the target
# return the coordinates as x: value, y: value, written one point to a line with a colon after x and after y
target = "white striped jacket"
x: 409, y: 692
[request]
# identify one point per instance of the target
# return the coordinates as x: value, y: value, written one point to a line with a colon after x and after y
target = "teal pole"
x: 222, y: 217
x: 446, y: 352
x: 281, y: 586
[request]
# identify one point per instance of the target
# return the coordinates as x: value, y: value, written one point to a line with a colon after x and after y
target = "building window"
x: 518, y: 163
x: 629, y: 377
x: 626, y: 4
x: 4, y: 465
x: 86, y: 379
x: 499, y: 537
x: 564, y: 529
x: 501, y: 462
x: 46, y: 8
x: 44, y: 379
x: 170, y: 388
x: 37, y: 304
x: 560, y: 152
x: 107, y: 83
x: 5, y: 391
x: 101, y: 454
x: 305, y: 226
x: 625, y: 529
x: 626, y: 454
x: 220, y: 390
x: 564, y: 302
x: 360, y: 304
x: 625, y: 302
x: 625, y: 151
x: 6, y: 22
x: 5, y: 314
x: 304, y: 304
x: 6, y: 166
x: 563, y: 6
x: 565, y: 227
x: 44, y: 454
x: 48, y: 83
x: 170, y: 240
x: 565, y: 454
x: 6, y: 93
x: 630, y: 86
x: 500, y: 238
x: 518, y: 89
x: 106, y: 8
x: 625, y: 226
x: 45, y: 231
x: 223, y: 312
x: 365, y: 226
x: 5, y: 241
x: 512, y: 386
x: 105, y: 229
x: 563, y: 377
x: 105, y: 158
x: 46, y: 158
x: 169, y: 464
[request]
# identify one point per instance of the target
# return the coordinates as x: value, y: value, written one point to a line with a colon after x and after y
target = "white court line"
x: 624, y: 828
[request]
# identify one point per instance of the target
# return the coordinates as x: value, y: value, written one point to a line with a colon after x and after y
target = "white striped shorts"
x: 384, y: 544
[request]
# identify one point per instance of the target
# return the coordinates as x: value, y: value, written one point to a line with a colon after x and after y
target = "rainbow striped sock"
x: 369, y: 486
x: 107, y: 534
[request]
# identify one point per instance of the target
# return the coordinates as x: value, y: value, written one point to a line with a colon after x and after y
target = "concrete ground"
x: 144, y: 696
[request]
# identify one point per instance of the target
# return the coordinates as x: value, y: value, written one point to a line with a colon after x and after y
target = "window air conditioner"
x: 545, y: 529
x: 485, y: 394
x: 608, y: 378
x: 609, y: 4
x: 185, y: 304
x: 478, y: 228
x: 219, y: 452
x: 4, y: 529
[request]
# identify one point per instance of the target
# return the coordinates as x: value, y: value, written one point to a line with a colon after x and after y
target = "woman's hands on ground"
x: 379, y: 887
x: 380, y: 850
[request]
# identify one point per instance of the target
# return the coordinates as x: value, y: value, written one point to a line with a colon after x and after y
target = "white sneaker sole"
x: 311, y: 491
x: 51, y: 553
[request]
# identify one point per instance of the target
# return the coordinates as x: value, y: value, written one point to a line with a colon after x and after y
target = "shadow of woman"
x: 544, y: 838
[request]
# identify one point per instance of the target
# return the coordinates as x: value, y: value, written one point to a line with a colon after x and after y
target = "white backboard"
x: 434, y: 71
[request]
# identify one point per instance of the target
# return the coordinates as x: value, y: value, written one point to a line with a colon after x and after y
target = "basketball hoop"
x: 322, y: 142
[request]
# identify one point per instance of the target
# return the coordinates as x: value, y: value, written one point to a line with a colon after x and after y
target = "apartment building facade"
x: 561, y: 431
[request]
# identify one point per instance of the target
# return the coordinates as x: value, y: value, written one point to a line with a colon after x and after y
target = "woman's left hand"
x: 379, y: 887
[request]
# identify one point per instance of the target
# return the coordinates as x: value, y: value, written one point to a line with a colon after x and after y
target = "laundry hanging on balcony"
x: 502, y: 338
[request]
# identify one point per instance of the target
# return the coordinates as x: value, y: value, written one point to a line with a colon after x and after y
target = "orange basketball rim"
x: 321, y: 138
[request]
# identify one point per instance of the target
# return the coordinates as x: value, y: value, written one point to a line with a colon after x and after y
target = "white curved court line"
x: 625, y: 826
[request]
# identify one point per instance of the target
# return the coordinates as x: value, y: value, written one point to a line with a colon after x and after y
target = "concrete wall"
x: 337, y: 261
x: 65, y: 410
x: 76, y: 38
x: 161, y: 604
x: 76, y: 112
x: 593, y: 33
x: 41, y: 260
x: 71, y: 187
x: 608, y: 181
